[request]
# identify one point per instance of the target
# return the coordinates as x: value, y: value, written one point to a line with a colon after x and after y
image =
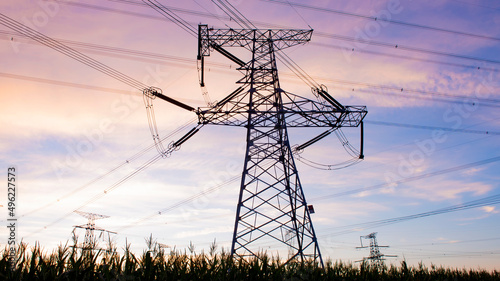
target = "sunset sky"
x: 428, y: 72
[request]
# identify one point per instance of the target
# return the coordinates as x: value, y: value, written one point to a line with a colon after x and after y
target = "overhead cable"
x: 408, y: 179
x: 414, y: 126
x: 51, y: 43
x: 392, y: 46
x: 382, y: 19
x: 486, y: 201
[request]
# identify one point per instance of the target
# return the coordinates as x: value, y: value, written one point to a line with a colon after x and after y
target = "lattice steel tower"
x: 376, y: 258
x: 271, y: 202
x: 90, y: 228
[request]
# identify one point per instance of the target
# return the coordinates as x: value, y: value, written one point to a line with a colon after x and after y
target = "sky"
x: 427, y: 71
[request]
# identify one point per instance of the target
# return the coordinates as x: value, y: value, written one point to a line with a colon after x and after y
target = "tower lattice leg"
x: 272, y: 212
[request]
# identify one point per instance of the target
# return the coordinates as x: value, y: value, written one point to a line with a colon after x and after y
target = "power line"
x: 122, y: 91
x: 113, y: 50
x: 350, y: 162
x: 172, y: 16
x: 414, y: 126
x: 454, y: 242
x: 478, y: 5
x: 76, y: 85
x: 54, y: 44
x: 117, y: 51
x: 360, y: 50
x: 141, y: 168
x: 409, y: 179
x: 130, y: 159
x: 137, y: 3
x: 489, y: 200
x: 401, y: 47
x: 297, y: 12
x: 317, y: 33
x: 149, y: 147
x: 70, y: 52
x: 181, y: 203
x: 233, y: 14
x: 470, y: 102
x: 144, y: 166
x: 373, y: 18
x: 244, y: 22
x: 480, y: 101
x: 63, y: 83
x: 420, y: 94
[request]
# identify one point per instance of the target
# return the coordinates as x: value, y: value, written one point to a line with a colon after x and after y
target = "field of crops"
x: 69, y: 263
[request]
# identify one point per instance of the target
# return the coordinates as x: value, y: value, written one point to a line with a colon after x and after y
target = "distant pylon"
x: 376, y: 258
x: 90, y: 227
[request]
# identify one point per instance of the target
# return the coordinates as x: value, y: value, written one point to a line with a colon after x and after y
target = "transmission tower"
x: 272, y: 208
x: 89, y: 241
x: 376, y: 258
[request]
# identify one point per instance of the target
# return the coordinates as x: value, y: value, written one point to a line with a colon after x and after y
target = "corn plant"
x: 73, y: 263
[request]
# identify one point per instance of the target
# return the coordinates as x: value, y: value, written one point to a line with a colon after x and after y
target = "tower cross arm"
x: 91, y: 215
x: 298, y: 112
x: 93, y: 227
x: 326, y: 117
x: 282, y: 38
x: 304, y: 112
